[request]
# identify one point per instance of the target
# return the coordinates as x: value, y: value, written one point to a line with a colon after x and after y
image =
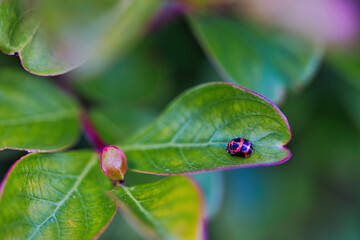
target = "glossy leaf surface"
x: 264, y: 61
x: 34, y: 114
x: 54, y: 37
x: 167, y: 209
x: 55, y: 196
x: 192, y: 134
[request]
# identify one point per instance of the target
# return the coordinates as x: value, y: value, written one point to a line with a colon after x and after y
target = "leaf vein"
x: 72, y: 190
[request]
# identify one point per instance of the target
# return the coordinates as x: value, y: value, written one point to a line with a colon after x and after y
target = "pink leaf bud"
x: 113, y: 162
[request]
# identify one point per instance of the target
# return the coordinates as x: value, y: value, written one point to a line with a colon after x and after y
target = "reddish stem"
x: 89, y: 129
x: 91, y: 133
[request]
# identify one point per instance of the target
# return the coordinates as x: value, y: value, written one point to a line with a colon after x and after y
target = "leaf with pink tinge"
x: 55, y: 196
x: 171, y: 208
x: 192, y: 134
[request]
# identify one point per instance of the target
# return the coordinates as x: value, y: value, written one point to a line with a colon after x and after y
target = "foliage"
x: 59, y: 196
x: 119, y: 64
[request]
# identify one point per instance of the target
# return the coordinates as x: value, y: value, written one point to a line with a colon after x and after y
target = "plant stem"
x: 91, y: 133
x: 88, y: 127
x: 118, y: 183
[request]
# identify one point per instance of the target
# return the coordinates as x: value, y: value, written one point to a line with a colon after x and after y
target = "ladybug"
x: 239, y: 147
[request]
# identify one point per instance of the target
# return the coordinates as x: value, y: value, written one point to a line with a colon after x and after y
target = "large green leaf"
x: 263, y: 60
x: 192, y: 133
x: 55, y: 196
x: 34, y: 114
x: 53, y: 37
x: 167, y: 209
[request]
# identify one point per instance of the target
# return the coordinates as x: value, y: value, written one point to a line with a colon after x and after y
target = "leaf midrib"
x: 72, y: 190
x: 167, y: 145
x: 180, y: 145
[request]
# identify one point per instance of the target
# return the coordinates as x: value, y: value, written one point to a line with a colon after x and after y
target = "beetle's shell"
x: 239, y: 147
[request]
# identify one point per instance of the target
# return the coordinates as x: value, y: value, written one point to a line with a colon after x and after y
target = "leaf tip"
x: 269, y: 101
x: 2, y: 184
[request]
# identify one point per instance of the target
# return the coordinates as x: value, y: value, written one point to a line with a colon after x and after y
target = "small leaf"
x: 265, y: 61
x: 167, y: 209
x: 34, y: 115
x: 192, y: 134
x: 55, y: 196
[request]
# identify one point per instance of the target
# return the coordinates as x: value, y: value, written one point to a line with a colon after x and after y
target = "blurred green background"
x: 315, y: 195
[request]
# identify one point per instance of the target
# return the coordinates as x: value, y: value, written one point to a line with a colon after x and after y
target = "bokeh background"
x: 315, y: 195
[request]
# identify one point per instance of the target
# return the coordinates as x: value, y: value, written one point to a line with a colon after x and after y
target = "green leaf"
x: 55, y: 196
x: 263, y: 60
x: 54, y: 37
x: 167, y: 209
x: 34, y: 114
x: 21, y: 33
x: 192, y: 134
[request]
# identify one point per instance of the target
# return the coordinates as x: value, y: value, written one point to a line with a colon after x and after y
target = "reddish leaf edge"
x: 3, y: 183
x: 232, y: 166
x: 268, y: 100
